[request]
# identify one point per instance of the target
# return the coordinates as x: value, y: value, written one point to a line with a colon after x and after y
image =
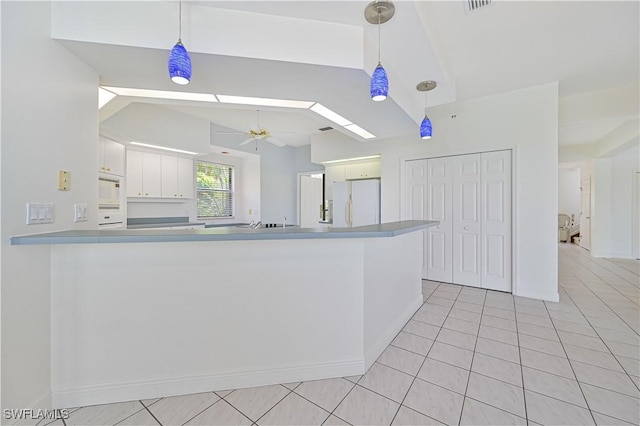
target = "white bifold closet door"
x: 470, y: 195
x: 466, y: 229
x: 496, y: 220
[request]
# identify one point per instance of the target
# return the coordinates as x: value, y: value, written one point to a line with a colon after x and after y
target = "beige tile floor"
x: 468, y: 356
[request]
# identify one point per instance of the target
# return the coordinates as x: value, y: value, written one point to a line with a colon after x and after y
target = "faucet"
x: 250, y: 224
x: 256, y: 226
x: 284, y: 222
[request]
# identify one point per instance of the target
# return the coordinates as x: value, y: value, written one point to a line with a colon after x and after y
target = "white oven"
x: 109, y: 193
x: 110, y: 200
x: 112, y: 220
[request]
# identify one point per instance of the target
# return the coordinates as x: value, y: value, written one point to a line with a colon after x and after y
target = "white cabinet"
x: 362, y: 170
x: 110, y: 157
x: 144, y: 174
x: 350, y: 170
x: 169, y: 176
x: 177, y: 177
x: 186, y: 178
x: 159, y: 176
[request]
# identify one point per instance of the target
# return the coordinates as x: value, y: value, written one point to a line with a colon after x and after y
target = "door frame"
x: 299, y: 190
x: 635, y: 208
x: 514, y: 198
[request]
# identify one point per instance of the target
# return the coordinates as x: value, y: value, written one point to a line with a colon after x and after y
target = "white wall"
x: 524, y: 120
x: 613, y: 216
x: 569, y: 192
x: 49, y: 122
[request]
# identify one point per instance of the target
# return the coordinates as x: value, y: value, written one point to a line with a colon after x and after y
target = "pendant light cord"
x: 425, y: 102
x: 378, y: 36
x: 180, y: 22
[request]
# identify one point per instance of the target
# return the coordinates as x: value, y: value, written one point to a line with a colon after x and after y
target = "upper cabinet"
x: 111, y: 157
x: 362, y: 169
x: 177, y: 177
x: 151, y: 175
x: 144, y: 174
x: 349, y: 170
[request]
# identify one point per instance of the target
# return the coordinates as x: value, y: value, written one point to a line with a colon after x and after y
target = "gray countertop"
x: 390, y: 229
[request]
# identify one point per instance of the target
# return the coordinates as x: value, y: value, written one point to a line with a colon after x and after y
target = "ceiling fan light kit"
x: 261, y: 134
x: 179, y: 61
x: 378, y: 12
x: 426, y: 128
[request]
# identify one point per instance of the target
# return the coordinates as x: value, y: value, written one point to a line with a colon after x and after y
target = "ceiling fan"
x: 259, y: 134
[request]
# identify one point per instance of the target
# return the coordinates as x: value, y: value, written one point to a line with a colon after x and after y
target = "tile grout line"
x: 250, y: 419
x: 601, y: 339
x: 421, y: 365
x: 573, y: 370
x: 598, y: 297
x: 473, y: 356
x: 152, y: 415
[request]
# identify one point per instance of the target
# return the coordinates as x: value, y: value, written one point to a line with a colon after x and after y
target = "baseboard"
x: 129, y: 391
x: 549, y: 296
x: 372, y: 353
x: 607, y: 255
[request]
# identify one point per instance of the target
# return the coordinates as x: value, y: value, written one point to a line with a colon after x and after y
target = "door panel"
x: 439, y: 207
x: 415, y: 200
x: 585, y: 213
x: 466, y: 220
x: 496, y: 220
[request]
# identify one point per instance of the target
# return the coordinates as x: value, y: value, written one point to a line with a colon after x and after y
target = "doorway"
x: 310, y: 200
x: 585, y: 213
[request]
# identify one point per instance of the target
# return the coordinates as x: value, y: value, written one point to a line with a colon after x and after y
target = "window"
x: 214, y: 187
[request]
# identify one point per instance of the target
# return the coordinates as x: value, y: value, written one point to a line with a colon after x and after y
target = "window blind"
x: 214, y: 188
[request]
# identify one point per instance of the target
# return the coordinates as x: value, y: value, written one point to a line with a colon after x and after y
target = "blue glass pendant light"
x: 379, y: 12
x: 179, y: 60
x: 379, y: 84
x: 426, y: 129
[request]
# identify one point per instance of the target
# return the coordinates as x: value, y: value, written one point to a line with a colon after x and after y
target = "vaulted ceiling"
x: 325, y: 51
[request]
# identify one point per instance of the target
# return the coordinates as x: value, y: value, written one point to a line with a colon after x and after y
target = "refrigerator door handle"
x: 349, y: 207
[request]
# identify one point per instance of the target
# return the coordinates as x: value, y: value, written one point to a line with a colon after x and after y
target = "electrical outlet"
x: 80, y: 213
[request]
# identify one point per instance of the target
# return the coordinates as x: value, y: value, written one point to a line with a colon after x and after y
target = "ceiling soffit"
x: 258, y: 38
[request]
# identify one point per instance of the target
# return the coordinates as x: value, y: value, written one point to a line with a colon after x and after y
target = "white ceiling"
x: 587, y: 46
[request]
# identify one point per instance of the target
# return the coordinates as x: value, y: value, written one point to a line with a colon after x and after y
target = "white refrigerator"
x: 356, y: 203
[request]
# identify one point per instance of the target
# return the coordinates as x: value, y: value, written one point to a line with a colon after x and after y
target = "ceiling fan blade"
x: 246, y: 141
x: 230, y: 133
x: 275, y: 141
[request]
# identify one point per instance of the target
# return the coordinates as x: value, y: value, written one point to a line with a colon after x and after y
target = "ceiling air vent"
x: 474, y: 5
x: 324, y: 129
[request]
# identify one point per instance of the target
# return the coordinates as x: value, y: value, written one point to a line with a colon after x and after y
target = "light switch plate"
x: 80, y: 213
x: 38, y: 213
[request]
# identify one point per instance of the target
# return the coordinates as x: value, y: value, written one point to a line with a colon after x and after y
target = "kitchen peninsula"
x: 141, y: 314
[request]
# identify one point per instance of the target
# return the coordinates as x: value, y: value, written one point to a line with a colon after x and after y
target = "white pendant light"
x: 379, y: 12
x: 179, y: 61
x: 426, y: 129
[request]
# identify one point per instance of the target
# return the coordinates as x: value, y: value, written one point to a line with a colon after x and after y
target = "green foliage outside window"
x: 214, y: 187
